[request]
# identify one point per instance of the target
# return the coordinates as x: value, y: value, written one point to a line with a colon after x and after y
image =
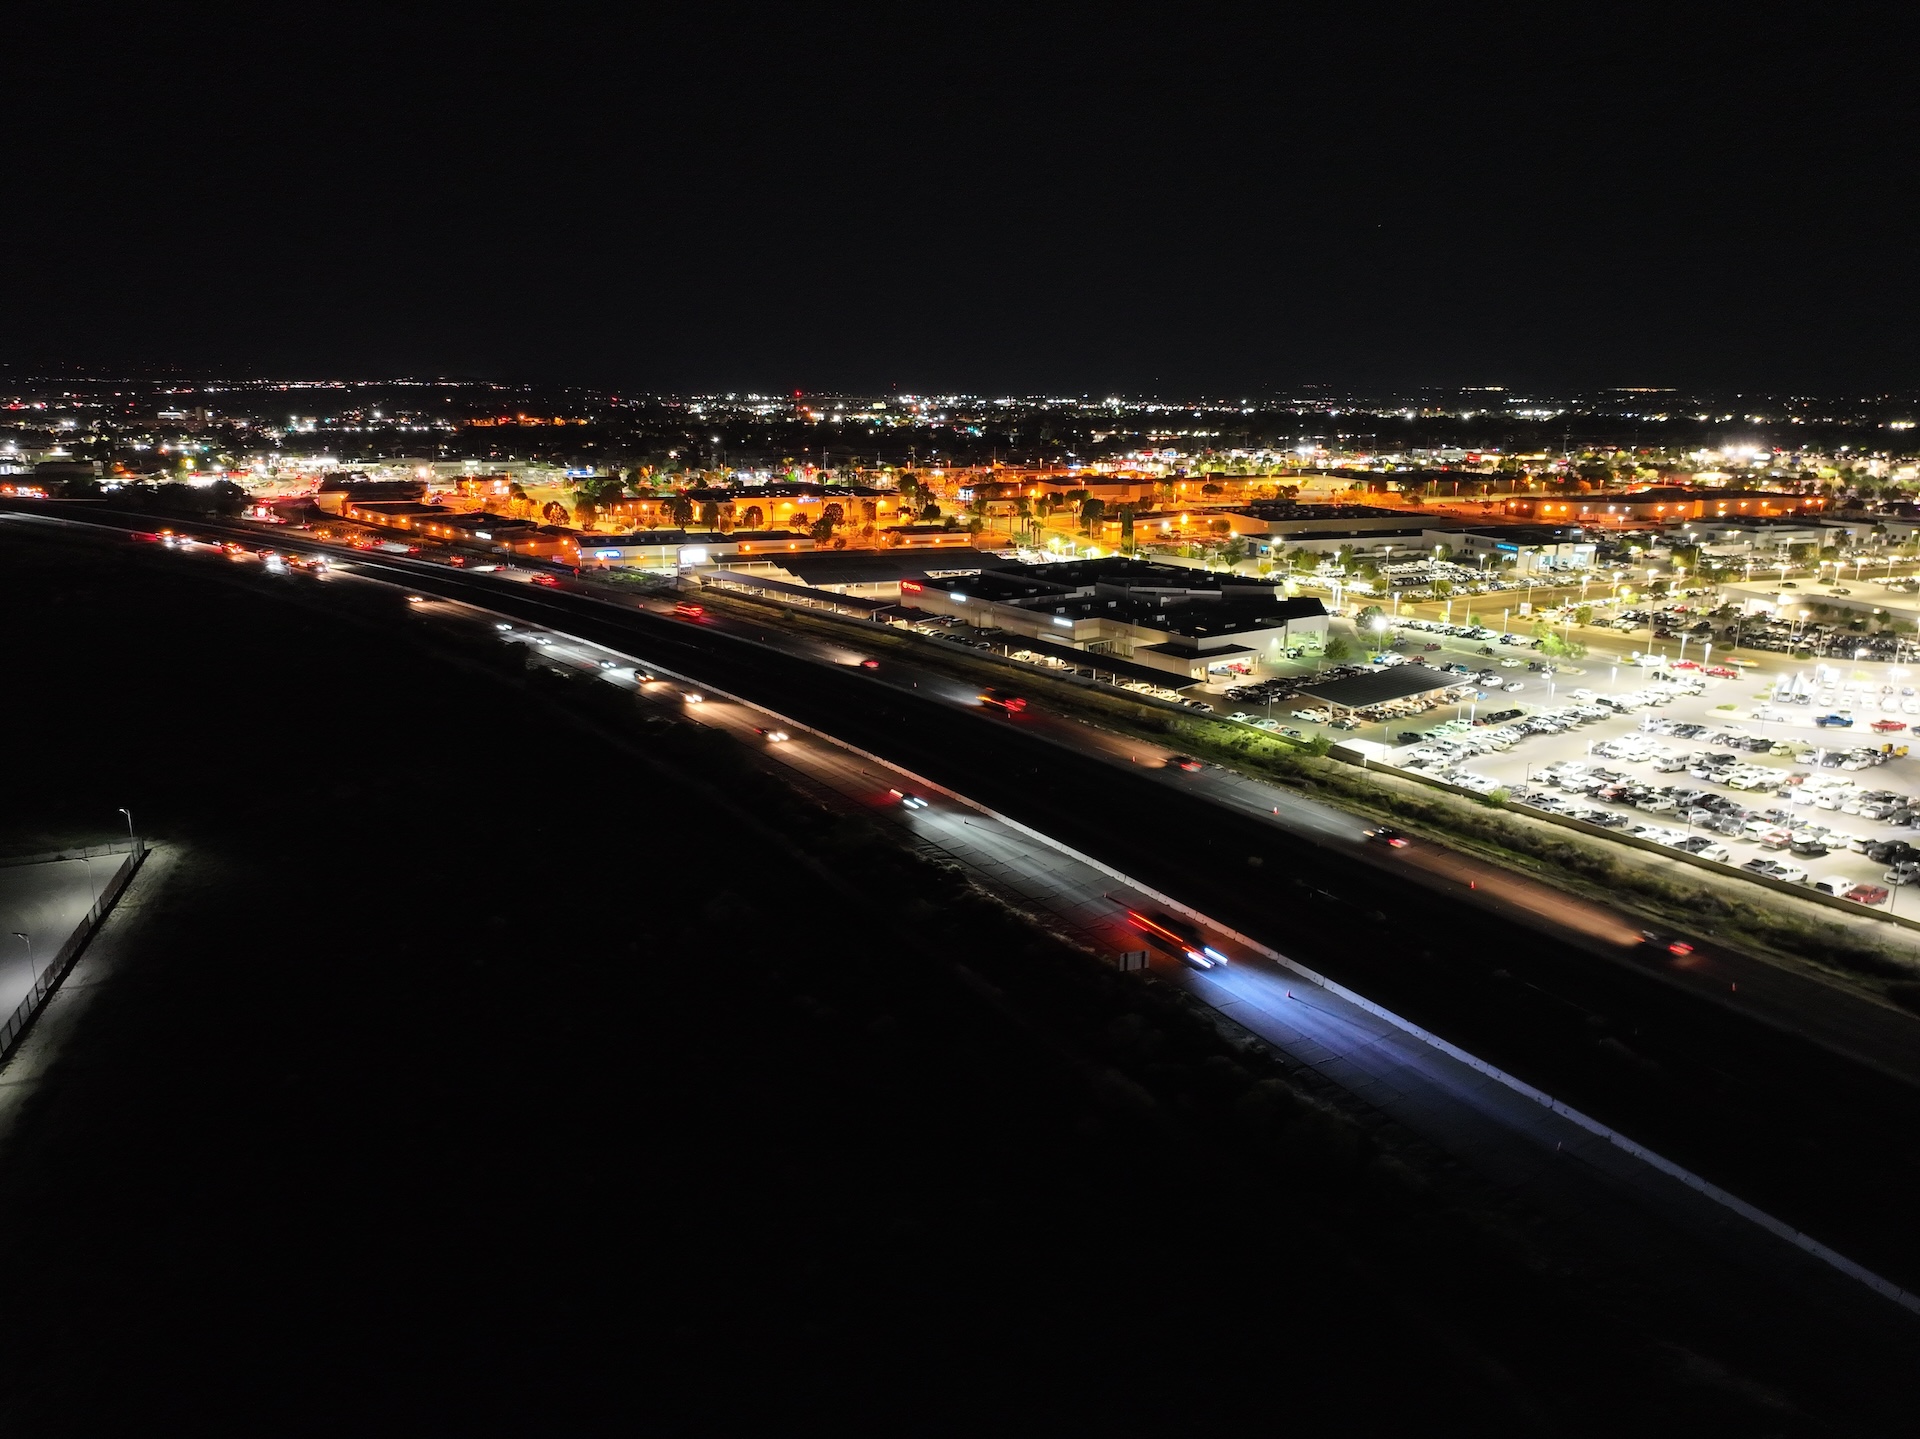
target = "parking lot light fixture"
x: 29, y: 943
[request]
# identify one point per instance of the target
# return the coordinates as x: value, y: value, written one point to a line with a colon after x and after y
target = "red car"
x: 1721, y: 672
x: 1867, y: 894
x: 1887, y: 726
x: 1683, y: 665
x: 1183, y: 761
x: 549, y: 581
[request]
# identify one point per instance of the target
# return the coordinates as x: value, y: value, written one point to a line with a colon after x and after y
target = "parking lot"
x: 1731, y: 762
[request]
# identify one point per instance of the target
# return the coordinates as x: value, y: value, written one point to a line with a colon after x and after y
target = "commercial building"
x: 1665, y: 504
x: 1281, y: 522
x: 1177, y: 621
x: 866, y: 574
x: 1534, y: 549
x: 672, y: 549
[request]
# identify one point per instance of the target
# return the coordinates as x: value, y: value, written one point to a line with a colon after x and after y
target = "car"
x: 1660, y: 939
x: 772, y: 736
x: 546, y: 581
x: 1887, y: 726
x: 1515, y: 687
x: 869, y: 664
x: 1511, y: 664
x: 1002, y: 700
x: 908, y: 801
x: 416, y: 599
x: 1834, y: 721
x: 694, y: 697
x: 688, y: 610
x: 1866, y: 894
x: 1183, y: 761
x: 1392, y: 838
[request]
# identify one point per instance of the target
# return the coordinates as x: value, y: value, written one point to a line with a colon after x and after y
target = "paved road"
x: 1755, y: 1114
x: 1710, y: 1269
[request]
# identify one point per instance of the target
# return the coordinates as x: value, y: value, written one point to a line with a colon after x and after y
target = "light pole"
x: 129, y: 814
x: 30, y: 969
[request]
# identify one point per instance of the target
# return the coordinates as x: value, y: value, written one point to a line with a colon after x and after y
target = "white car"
x: 1515, y: 687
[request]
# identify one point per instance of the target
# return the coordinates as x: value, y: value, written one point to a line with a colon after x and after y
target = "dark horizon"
x: 989, y: 205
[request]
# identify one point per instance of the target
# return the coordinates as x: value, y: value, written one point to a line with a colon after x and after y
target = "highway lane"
x: 1670, y: 1075
x: 1763, y: 1117
x: 1601, y: 1200
x: 1843, y: 1019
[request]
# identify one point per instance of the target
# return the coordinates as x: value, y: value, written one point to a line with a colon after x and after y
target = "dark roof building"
x: 1181, y: 621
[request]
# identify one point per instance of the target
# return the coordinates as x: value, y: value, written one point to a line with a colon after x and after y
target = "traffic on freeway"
x: 1512, y: 977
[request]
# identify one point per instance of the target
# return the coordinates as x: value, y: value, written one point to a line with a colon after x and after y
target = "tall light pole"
x: 129, y: 814
x: 30, y: 968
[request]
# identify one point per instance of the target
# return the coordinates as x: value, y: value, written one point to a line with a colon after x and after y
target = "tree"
x: 1442, y: 588
x: 1092, y: 511
x: 754, y: 518
x: 553, y: 512
x: 821, y: 529
x: 1234, y: 551
x: 709, y: 514
x: 1339, y: 649
x: 1555, y: 646
x: 930, y: 511
x: 679, y: 509
x: 1220, y: 527
x: 1125, y: 516
x: 834, y: 514
x: 1583, y: 615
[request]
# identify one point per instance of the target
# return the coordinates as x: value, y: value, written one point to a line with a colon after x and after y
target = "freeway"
x: 1706, y: 1275
x: 1808, y: 1135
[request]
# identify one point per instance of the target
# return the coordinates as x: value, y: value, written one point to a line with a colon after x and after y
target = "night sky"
x: 1161, y: 200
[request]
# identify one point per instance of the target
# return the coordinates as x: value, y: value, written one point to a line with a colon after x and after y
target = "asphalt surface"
x: 1802, y: 1132
x: 1714, y: 1273
x: 47, y: 901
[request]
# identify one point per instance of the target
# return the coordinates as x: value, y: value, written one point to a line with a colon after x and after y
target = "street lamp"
x: 129, y: 814
x: 30, y: 968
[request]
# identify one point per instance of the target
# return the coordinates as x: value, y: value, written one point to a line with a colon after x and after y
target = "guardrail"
x: 56, y: 969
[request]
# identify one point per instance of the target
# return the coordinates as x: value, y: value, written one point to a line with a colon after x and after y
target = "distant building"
x: 1666, y: 504
x: 671, y: 549
x: 1181, y: 622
